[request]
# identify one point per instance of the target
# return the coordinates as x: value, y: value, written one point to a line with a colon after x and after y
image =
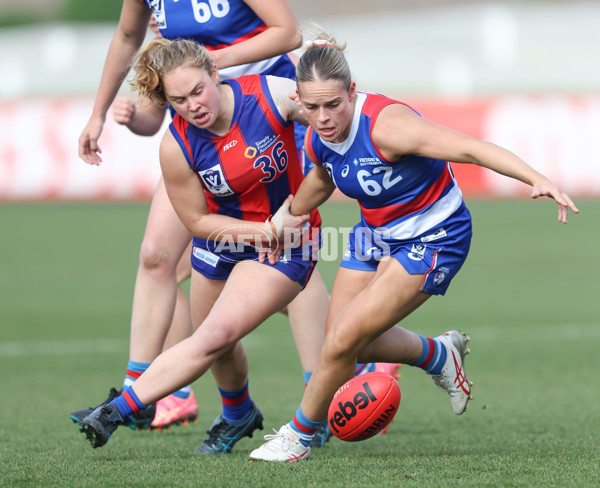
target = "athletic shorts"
x: 437, y: 254
x: 216, y: 261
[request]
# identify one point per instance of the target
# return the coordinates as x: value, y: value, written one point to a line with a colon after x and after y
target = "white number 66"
x: 204, y: 11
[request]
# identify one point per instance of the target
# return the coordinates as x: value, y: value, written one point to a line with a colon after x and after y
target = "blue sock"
x: 236, y: 404
x: 304, y: 428
x: 307, y: 375
x: 184, y: 393
x: 362, y: 368
x: 128, y: 403
x: 433, y: 357
x: 135, y: 369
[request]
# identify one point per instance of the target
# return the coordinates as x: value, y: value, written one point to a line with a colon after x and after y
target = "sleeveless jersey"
x: 248, y: 172
x: 217, y: 24
x: 399, y: 200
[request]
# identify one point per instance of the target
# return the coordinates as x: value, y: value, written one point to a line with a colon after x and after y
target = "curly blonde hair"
x: 322, y: 60
x: 162, y: 56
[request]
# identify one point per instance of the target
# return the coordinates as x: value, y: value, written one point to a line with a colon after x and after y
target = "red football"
x: 363, y: 406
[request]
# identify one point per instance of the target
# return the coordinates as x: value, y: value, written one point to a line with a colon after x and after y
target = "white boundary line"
x: 78, y: 346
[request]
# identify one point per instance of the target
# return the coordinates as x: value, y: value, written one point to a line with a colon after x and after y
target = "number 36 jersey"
x: 400, y: 199
x: 248, y: 172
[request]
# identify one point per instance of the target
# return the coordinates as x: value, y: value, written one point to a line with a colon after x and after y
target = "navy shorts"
x: 437, y: 254
x: 216, y: 261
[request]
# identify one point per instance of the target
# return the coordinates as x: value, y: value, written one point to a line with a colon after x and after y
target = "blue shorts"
x: 437, y: 254
x: 216, y: 262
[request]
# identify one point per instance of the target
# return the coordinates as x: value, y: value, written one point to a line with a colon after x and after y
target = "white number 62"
x: 371, y: 187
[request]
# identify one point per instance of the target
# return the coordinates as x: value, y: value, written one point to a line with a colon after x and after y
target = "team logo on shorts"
x: 440, y: 275
x: 214, y: 180
x: 417, y: 253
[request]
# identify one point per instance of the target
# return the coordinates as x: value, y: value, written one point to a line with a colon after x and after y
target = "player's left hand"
x: 285, y: 232
x: 547, y: 189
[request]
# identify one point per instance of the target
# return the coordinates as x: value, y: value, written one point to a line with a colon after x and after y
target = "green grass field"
x: 528, y: 296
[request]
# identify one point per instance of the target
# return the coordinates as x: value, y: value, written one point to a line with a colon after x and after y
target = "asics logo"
x: 293, y: 457
x: 461, y: 380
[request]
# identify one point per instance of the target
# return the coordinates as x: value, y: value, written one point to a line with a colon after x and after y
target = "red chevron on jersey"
x: 380, y: 216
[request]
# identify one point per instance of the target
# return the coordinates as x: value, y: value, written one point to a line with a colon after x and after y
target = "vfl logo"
x: 250, y: 152
x: 157, y: 7
x: 417, y: 253
x: 214, y: 180
x: 229, y: 145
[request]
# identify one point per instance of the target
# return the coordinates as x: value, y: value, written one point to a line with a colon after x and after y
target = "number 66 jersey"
x: 399, y: 200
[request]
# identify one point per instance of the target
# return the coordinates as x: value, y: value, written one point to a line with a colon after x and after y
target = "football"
x: 363, y: 406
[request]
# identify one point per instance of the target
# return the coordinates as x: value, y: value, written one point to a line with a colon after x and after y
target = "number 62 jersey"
x: 399, y: 200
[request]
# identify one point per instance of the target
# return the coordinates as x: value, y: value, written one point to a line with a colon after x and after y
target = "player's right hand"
x: 123, y: 110
x: 89, y: 150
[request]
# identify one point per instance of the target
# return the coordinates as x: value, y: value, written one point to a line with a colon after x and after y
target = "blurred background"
x: 521, y: 74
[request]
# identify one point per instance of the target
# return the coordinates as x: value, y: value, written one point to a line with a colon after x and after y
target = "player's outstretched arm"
x: 399, y: 131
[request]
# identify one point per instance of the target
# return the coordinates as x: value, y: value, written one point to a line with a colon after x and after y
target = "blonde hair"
x: 162, y: 56
x: 323, y: 60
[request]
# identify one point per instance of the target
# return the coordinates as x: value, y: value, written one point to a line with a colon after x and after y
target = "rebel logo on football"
x: 348, y: 410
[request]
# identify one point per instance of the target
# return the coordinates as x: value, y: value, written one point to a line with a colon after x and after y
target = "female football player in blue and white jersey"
x: 413, y: 237
x: 249, y: 37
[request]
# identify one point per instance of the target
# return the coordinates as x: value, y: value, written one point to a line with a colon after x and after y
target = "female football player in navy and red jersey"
x: 244, y: 37
x: 413, y: 237
x: 229, y: 160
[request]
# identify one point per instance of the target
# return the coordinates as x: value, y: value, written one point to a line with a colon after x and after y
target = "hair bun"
x: 317, y: 43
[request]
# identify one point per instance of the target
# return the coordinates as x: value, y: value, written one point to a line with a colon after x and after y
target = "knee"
x: 215, y: 342
x: 157, y: 256
x: 341, y: 343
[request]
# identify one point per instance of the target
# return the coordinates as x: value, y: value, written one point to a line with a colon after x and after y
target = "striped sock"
x: 304, y: 428
x: 433, y: 357
x: 184, y: 393
x: 362, y: 368
x: 128, y: 403
x: 236, y: 404
x: 134, y: 371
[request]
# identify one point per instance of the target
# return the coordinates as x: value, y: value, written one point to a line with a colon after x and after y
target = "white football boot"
x: 453, y: 378
x: 284, y: 446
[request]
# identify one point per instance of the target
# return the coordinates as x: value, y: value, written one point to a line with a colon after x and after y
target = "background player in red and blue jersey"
x: 413, y: 237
